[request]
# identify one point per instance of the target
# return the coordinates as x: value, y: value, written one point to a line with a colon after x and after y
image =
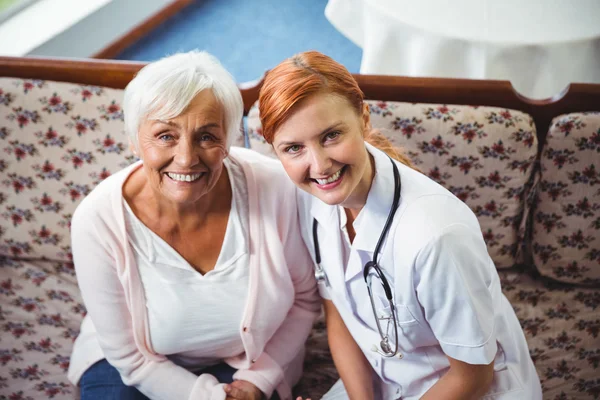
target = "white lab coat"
x: 445, y: 286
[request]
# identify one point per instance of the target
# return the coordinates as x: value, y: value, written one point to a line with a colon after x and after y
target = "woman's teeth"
x: 331, y: 179
x: 184, y: 178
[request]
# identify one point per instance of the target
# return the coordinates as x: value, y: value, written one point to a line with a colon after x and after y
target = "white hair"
x: 163, y: 89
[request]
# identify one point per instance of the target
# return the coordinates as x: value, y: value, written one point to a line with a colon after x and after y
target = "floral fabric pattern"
x: 59, y: 140
x: 484, y: 155
x: 566, y: 220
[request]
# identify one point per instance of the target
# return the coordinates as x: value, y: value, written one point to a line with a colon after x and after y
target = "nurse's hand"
x: 300, y: 398
x: 243, y: 390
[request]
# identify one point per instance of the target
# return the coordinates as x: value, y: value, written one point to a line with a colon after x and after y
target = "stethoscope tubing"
x: 321, y: 275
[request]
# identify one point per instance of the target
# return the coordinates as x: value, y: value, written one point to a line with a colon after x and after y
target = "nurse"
x: 413, y: 302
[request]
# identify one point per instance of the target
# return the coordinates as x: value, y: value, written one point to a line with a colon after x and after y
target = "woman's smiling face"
x: 321, y: 146
x: 183, y: 156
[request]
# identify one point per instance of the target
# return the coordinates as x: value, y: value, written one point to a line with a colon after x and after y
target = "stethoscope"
x: 372, y: 270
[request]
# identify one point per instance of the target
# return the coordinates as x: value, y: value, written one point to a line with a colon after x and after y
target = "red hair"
x: 304, y: 75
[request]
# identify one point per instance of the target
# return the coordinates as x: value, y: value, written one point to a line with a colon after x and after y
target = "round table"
x: 539, y: 45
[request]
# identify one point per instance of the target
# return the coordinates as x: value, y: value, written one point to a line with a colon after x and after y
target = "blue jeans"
x: 103, y: 381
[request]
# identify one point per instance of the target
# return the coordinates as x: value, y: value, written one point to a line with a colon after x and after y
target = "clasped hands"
x: 244, y: 390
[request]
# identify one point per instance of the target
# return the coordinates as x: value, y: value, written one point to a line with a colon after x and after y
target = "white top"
x: 202, y: 332
x: 445, y: 286
x: 282, y: 299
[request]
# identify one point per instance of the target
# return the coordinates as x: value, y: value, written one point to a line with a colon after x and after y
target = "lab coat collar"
x: 372, y: 218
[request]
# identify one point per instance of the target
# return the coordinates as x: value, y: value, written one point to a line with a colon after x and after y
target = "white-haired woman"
x: 196, y: 287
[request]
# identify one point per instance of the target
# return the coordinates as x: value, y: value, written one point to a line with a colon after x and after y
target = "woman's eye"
x: 166, y: 137
x: 206, y: 137
x: 332, y: 135
x: 293, y: 149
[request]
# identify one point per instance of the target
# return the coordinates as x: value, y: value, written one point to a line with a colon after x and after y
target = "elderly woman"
x: 196, y: 287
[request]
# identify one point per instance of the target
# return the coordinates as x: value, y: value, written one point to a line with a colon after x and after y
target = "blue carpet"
x: 248, y: 36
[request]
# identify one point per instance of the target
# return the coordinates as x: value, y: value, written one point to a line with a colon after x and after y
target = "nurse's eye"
x: 293, y: 149
x: 332, y: 135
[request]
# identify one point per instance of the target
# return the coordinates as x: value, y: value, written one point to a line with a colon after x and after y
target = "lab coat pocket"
x: 408, y: 327
x: 404, y: 316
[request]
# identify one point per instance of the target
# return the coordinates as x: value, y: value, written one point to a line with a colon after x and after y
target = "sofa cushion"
x: 59, y: 141
x: 562, y: 329
x: 484, y: 155
x: 566, y: 226
x: 41, y: 311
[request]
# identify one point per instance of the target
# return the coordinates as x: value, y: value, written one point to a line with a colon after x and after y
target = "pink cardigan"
x: 280, y: 310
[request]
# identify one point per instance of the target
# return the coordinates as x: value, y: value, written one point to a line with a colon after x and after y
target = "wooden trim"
x: 142, y: 29
x: 577, y: 97
x: 114, y: 74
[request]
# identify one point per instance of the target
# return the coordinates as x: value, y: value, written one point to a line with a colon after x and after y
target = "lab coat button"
x: 253, y: 361
x: 246, y: 329
x: 400, y: 356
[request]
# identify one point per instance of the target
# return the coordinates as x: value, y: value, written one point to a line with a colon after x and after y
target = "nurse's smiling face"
x: 321, y: 146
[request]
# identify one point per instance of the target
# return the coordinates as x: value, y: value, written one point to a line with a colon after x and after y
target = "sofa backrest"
x: 566, y: 220
x: 484, y: 155
x: 58, y: 140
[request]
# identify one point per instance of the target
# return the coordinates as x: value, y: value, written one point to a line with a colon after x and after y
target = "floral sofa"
x: 533, y: 182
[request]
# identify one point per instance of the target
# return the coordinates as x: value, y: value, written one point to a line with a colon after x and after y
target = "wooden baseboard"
x: 139, y: 31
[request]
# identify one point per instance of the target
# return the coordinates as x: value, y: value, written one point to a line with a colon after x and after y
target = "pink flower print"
x: 17, y: 248
x: 18, y: 329
x: 75, y: 191
x: 108, y: 142
x: 17, y: 215
x: 109, y: 145
x: 82, y: 125
x: 29, y: 304
x: 54, y: 100
x: 51, y: 134
x: 8, y: 355
x: 24, y: 117
x: 62, y: 361
x: 54, y: 320
x: 51, y: 389
x: 498, y: 147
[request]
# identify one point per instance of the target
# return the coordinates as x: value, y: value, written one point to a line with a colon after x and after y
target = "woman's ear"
x: 366, y: 120
x: 133, y: 149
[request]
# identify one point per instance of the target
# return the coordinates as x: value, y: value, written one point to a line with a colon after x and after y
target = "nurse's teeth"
x: 332, y: 178
x: 184, y: 178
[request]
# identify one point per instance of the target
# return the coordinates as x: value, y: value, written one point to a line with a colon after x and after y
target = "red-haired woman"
x: 413, y: 301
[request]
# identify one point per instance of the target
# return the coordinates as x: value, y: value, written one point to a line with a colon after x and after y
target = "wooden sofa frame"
x: 116, y: 74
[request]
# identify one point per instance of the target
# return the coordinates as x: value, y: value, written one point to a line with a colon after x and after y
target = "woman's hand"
x: 243, y: 390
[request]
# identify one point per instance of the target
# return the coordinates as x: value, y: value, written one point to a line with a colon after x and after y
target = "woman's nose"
x: 186, y: 154
x: 320, y: 162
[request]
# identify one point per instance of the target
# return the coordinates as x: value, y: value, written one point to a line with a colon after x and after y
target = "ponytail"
x: 379, y: 141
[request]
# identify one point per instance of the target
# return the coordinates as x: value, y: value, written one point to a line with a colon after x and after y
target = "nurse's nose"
x: 320, y: 162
